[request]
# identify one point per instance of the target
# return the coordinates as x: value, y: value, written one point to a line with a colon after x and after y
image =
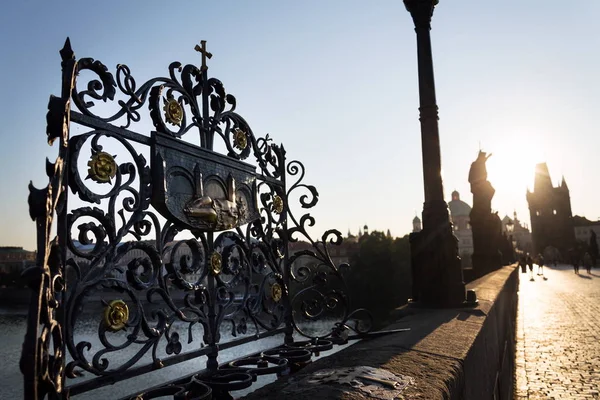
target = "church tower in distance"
x: 550, y: 212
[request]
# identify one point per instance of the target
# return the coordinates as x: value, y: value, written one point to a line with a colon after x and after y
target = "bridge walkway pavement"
x: 558, y: 335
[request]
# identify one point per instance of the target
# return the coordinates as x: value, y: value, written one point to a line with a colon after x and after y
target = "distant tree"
x: 379, y: 274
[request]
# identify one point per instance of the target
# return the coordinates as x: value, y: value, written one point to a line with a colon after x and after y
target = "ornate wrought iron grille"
x: 190, y: 239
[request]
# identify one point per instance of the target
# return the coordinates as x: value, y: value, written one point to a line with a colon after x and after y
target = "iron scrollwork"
x: 186, y: 240
x: 43, y: 357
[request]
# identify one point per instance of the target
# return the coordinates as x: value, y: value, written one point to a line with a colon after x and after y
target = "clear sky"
x: 336, y: 82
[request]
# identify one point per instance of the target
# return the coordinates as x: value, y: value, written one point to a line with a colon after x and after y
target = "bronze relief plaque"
x: 199, y: 188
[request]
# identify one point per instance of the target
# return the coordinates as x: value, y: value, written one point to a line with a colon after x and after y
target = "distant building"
x: 417, y: 225
x: 459, y: 214
x: 15, y: 259
x: 520, y: 232
x: 13, y: 253
x: 550, y: 211
x: 583, y: 228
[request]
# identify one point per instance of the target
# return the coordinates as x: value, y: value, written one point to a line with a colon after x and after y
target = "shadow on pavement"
x: 560, y: 267
x: 565, y: 267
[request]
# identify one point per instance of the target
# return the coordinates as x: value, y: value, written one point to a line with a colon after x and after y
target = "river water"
x: 12, y: 331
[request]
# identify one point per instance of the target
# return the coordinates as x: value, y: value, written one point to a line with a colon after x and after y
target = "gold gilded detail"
x: 116, y: 315
x: 218, y: 213
x: 276, y: 292
x: 216, y: 263
x: 102, y: 167
x: 277, y: 204
x: 240, y: 140
x: 173, y: 112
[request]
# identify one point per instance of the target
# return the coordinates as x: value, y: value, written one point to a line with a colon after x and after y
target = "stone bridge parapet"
x: 449, y: 353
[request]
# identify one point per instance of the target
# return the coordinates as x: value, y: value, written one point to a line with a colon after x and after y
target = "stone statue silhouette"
x: 486, y: 226
x: 480, y: 187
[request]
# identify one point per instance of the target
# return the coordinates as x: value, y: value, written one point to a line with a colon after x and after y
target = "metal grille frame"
x: 246, y: 279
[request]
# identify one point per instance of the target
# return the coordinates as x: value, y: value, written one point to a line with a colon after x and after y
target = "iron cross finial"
x: 205, y: 54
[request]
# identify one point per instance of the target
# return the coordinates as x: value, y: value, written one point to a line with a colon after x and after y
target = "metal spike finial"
x: 67, y: 52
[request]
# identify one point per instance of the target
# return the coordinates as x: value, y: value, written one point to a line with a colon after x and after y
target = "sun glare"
x: 511, y: 169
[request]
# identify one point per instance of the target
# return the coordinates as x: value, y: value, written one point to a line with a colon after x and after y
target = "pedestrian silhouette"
x: 540, y: 263
x: 587, y: 262
x: 530, y: 265
x: 574, y: 260
x: 523, y: 263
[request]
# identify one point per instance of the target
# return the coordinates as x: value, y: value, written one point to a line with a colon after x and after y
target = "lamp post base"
x: 436, y: 269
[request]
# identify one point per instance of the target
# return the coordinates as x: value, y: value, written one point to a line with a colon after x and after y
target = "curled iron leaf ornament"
x: 216, y: 263
x: 116, y: 315
x: 173, y: 111
x: 102, y: 167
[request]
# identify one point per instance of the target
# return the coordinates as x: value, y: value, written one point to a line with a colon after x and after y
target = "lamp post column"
x: 437, y: 271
